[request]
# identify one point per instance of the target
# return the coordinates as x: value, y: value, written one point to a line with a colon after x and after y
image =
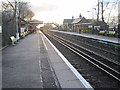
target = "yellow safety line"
x: 44, y: 44
x: 3, y: 48
x: 38, y: 43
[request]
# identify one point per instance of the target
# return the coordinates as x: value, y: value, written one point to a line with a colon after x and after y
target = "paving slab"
x: 26, y: 65
x: 20, y: 67
x: 35, y: 63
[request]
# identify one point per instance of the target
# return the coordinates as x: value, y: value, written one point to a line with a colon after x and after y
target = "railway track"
x: 99, y: 61
x: 106, y: 49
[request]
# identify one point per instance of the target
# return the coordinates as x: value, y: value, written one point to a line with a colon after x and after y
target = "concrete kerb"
x: 85, y: 83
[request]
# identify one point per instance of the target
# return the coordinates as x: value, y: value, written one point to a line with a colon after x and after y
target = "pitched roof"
x: 99, y: 23
x: 90, y: 20
x: 77, y: 20
x: 68, y: 21
x: 36, y: 22
x: 80, y: 20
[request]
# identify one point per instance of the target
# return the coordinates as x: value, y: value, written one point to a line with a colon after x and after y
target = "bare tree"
x: 12, y: 13
x: 105, y: 8
x: 24, y: 10
x: 9, y: 10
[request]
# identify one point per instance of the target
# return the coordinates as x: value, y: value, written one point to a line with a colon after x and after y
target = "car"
x: 101, y: 32
x: 111, y: 31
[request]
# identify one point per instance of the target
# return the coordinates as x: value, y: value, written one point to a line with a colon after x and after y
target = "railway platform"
x: 34, y: 62
x: 99, y: 37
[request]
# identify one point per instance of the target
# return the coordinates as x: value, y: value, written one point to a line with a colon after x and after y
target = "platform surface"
x: 34, y: 62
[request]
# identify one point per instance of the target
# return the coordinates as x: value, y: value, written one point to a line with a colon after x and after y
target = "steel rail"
x: 108, y: 59
x: 103, y: 50
x: 89, y: 58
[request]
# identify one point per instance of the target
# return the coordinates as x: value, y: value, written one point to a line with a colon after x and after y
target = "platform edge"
x: 84, y: 82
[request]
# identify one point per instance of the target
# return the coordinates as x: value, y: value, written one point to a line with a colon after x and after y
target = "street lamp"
x: 92, y: 13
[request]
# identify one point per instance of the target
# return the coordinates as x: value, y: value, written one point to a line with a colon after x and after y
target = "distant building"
x: 33, y: 24
x: 81, y: 24
x: 67, y: 24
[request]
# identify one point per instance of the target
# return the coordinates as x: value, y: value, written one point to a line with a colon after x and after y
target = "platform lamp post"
x: 92, y: 20
x: 92, y: 13
x: 89, y: 15
x: 17, y: 20
x: 92, y: 17
x: 119, y: 19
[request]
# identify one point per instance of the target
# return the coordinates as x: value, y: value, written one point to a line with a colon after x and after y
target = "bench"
x: 23, y: 34
x: 111, y: 32
x: 13, y: 39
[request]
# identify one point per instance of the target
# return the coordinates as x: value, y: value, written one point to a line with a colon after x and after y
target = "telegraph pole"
x: 102, y: 11
x: 98, y: 10
x: 119, y: 19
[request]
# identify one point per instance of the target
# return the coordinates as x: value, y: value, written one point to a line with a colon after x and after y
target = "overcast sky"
x: 57, y: 10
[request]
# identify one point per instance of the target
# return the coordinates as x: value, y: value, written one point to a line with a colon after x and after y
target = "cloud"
x: 53, y: 10
x: 44, y: 7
